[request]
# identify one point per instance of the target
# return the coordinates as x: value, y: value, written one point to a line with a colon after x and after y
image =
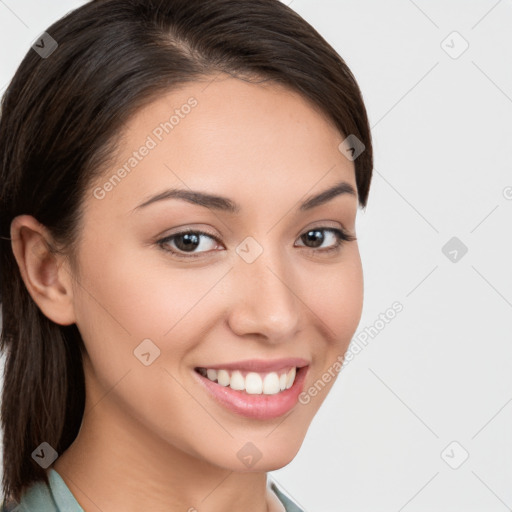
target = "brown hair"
x: 60, y: 120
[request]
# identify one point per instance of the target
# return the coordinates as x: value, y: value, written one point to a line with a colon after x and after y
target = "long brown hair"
x: 60, y: 119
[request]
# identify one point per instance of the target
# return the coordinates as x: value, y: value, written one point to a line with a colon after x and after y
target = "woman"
x: 179, y: 186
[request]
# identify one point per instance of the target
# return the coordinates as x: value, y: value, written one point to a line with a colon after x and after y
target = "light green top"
x: 58, y: 498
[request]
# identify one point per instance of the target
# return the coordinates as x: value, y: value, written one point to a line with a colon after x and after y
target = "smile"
x: 255, y: 389
x: 252, y: 383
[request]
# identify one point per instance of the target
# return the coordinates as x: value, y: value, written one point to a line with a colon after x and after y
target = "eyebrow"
x: 225, y: 204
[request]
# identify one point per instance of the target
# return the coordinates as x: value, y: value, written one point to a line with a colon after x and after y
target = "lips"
x: 260, y: 365
x: 255, y: 388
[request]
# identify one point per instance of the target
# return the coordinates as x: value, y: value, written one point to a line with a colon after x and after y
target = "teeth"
x: 290, y: 378
x: 282, y: 382
x: 237, y: 381
x: 223, y: 378
x: 253, y: 383
x: 271, y: 384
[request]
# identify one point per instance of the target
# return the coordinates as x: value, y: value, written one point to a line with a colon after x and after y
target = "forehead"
x: 227, y: 135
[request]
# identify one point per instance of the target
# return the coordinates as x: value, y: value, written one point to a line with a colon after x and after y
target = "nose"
x: 265, y: 299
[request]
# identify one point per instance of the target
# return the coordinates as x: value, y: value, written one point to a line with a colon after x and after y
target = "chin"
x: 276, y: 454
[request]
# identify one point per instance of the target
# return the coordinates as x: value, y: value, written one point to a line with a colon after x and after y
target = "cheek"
x: 338, y: 302
x: 338, y: 299
x: 122, y: 300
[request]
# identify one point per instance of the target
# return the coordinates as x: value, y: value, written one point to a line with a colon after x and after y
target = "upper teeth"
x: 253, y: 383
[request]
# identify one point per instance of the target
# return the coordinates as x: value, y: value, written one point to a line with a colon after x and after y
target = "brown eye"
x: 187, y: 242
x: 315, y: 238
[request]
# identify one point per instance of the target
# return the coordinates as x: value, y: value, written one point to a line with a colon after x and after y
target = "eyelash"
x: 341, y: 235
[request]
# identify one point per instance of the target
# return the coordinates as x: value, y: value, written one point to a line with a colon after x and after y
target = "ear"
x: 45, y: 272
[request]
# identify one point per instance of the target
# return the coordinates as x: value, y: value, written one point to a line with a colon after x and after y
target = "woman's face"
x: 258, y: 294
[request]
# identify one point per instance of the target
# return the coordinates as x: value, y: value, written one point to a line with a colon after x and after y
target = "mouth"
x: 253, y: 383
x: 255, y: 389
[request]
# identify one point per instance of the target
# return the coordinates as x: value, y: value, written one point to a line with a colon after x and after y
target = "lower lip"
x: 263, y: 407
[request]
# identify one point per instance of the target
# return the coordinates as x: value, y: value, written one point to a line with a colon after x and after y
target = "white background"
x: 441, y: 370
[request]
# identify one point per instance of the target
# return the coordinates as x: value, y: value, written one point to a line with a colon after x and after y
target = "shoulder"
x: 287, y: 501
x: 40, y: 497
x: 37, y: 497
x: 8, y: 506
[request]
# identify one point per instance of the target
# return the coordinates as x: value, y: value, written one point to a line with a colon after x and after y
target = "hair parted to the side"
x: 60, y: 118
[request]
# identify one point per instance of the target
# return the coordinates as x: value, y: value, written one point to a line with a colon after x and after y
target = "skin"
x: 151, y: 437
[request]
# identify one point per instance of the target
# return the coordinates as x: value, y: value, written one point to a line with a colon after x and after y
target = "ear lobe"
x: 43, y: 270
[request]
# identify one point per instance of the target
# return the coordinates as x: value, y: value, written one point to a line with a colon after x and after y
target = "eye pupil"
x: 191, y: 241
x: 316, y: 238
